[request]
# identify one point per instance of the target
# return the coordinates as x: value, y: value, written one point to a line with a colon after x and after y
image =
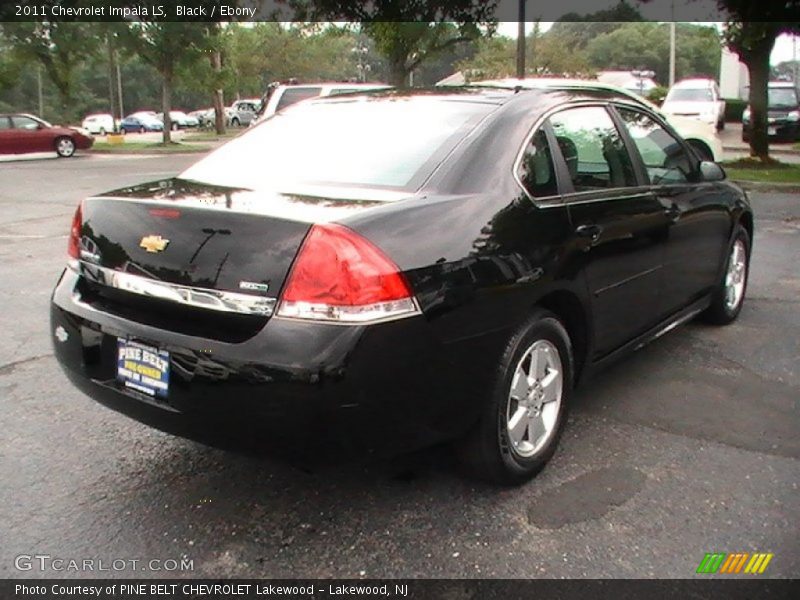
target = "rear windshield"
x: 690, y: 95
x: 357, y: 142
x: 782, y: 98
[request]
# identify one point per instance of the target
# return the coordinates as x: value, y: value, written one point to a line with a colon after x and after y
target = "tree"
x: 58, y: 47
x: 165, y: 46
x: 645, y: 45
x: 751, y: 32
x: 408, y: 32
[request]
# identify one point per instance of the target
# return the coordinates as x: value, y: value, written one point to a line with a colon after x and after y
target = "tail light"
x: 340, y: 276
x: 74, y: 243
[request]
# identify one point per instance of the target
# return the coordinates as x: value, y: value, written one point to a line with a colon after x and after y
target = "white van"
x: 696, y: 99
x: 286, y: 95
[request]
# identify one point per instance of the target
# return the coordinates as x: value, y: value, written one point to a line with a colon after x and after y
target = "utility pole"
x: 672, y: 46
x: 119, y: 92
x: 41, y: 94
x: 521, y: 40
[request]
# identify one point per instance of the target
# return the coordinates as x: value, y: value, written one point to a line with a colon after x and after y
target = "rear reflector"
x: 340, y: 276
x: 74, y: 243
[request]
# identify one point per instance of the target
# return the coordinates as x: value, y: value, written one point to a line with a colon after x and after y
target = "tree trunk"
x: 219, y: 104
x: 166, y: 104
x: 398, y: 72
x: 758, y: 68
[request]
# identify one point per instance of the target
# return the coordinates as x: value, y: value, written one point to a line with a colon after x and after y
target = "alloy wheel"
x: 736, y: 276
x: 534, y: 400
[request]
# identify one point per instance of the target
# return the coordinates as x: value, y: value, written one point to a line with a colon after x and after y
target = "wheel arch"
x: 572, y: 313
x: 746, y: 220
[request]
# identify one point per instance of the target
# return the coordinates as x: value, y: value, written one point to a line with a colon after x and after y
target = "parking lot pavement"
x: 689, y: 446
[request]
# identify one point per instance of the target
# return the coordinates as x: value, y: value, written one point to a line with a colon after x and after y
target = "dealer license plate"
x: 143, y: 368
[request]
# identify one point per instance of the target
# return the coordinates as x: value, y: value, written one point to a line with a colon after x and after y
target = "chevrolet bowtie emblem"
x: 153, y: 243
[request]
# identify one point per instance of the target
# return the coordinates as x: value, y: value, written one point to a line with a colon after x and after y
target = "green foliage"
x: 646, y: 46
x: 657, y: 94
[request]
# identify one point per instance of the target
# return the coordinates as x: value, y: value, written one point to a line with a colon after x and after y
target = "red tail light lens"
x: 340, y: 276
x: 74, y: 244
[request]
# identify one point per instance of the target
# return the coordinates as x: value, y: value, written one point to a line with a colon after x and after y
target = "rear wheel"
x: 65, y: 147
x: 522, y: 422
x: 174, y: 126
x: 235, y: 121
x: 729, y: 295
x: 142, y: 130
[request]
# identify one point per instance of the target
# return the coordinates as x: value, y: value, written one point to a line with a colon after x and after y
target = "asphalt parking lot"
x: 690, y: 446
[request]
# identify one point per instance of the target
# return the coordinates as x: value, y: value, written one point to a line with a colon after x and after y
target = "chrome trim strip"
x: 218, y: 300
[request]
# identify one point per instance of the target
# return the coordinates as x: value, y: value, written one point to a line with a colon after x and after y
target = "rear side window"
x: 5, y: 123
x: 593, y: 149
x: 536, y: 172
x: 664, y: 157
x: 292, y: 95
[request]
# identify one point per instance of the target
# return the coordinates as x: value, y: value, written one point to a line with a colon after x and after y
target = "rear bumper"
x: 295, y: 384
x: 788, y: 131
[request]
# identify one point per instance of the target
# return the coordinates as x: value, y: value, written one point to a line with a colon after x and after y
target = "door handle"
x: 591, y: 232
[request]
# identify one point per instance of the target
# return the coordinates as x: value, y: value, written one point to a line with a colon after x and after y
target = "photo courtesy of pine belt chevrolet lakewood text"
x: 389, y: 270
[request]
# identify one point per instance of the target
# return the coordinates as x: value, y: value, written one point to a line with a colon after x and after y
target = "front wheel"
x: 65, y: 147
x: 522, y: 421
x: 729, y: 295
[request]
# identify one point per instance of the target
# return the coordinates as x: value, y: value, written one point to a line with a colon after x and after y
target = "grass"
x: 748, y: 169
x: 147, y: 148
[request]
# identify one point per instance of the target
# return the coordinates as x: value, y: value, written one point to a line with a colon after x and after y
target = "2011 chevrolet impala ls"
x: 395, y: 269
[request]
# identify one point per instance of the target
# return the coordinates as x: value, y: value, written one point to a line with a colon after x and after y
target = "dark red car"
x: 22, y: 134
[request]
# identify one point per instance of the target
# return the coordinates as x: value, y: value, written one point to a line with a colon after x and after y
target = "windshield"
x: 782, y: 98
x: 690, y: 95
x: 356, y: 142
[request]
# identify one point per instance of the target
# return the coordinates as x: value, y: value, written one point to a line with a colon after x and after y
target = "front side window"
x: 536, y: 172
x: 593, y: 149
x: 664, y: 157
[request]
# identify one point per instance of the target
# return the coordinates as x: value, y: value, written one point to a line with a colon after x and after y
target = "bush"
x: 657, y: 94
x: 734, y: 109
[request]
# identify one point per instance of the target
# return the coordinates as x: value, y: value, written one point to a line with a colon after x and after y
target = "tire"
x: 65, y: 147
x: 721, y: 125
x: 102, y: 131
x: 174, y: 126
x: 492, y: 450
x: 728, y: 298
x: 235, y: 122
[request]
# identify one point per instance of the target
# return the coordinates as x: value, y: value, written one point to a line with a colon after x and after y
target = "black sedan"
x: 396, y: 269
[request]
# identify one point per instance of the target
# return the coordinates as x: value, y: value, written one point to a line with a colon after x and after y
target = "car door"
x: 619, y: 226
x: 26, y: 136
x: 699, y: 225
x: 6, y: 136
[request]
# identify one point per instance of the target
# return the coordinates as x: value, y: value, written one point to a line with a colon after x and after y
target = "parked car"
x: 454, y: 284
x: 696, y: 99
x: 282, y: 96
x: 783, y: 113
x: 99, y: 124
x: 23, y: 134
x: 180, y: 120
x: 243, y: 112
x: 702, y: 137
x: 140, y: 123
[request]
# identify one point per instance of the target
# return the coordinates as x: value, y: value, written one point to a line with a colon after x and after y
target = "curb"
x: 787, y: 151
x: 765, y: 186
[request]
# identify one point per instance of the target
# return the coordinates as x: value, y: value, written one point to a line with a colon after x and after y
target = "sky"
x: 783, y: 50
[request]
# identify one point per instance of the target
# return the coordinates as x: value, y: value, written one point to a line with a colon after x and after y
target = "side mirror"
x: 711, y: 171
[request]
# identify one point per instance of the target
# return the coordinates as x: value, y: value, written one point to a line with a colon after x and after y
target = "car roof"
x: 564, y: 84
